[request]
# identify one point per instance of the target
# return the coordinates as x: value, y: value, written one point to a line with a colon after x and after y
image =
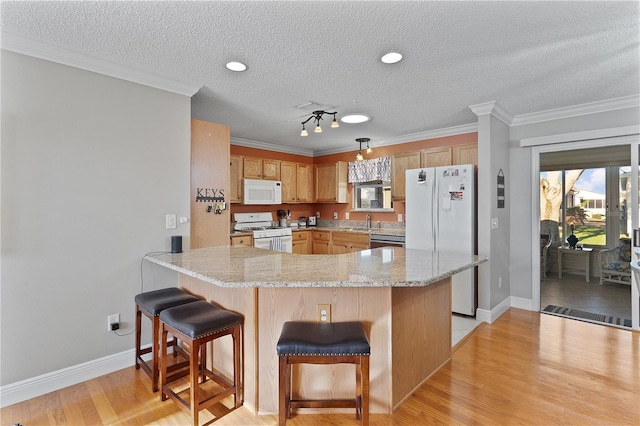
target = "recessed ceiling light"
x: 391, y: 58
x: 236, y: 66
x: 355, y: 118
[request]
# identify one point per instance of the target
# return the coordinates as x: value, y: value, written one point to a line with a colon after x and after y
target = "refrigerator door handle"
x: 435, y: 215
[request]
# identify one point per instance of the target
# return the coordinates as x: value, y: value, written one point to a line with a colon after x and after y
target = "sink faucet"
x: 368, y: 221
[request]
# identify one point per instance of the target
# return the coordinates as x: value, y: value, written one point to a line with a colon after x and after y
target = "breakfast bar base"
x: 409, y: 329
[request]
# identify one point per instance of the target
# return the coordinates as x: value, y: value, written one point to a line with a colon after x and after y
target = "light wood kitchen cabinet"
x: 296, y: 182
x: 331, y: 182
x: 321, y: 242
x: 466, y: 154
x: 304, y: 183
x: 435, y: 157
x: 242, y: 240
x: 259, y: 168
x: 301, y: 242
x: 348, y: 242
x: 401, y: 162
x: 235, y: 190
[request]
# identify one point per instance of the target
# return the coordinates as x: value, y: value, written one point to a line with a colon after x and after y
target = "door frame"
x: 558, y: 143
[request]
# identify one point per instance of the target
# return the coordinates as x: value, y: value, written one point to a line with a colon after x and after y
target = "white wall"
x: 493, y: 276
x: 90, y: 166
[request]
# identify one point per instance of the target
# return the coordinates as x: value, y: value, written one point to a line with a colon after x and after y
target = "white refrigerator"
x: 440, y: 216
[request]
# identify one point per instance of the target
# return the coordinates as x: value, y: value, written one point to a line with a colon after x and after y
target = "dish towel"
x: 276, y: 243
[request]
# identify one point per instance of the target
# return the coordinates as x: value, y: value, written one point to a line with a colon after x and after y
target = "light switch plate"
x: 170, y: 221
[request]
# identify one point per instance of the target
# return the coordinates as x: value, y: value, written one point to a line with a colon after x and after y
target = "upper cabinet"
x: 304, y: 182
x: 429, y: 157
x: 236, y: 173
x: 401, y: 162
x: 435, y: 157
x: 296, y: 182
x: 466, y: 154
x: 259, y: 168
x: 331, y: 182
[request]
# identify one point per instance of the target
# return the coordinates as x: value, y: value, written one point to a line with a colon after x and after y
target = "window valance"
x: 369, y: 170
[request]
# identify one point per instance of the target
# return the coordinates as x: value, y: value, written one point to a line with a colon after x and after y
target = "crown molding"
x: 49, y: 52
x: 578, y: 110
x: 271, y: 147
x: 494, y: 109
x: 411, y: 137
x: 587, y: 135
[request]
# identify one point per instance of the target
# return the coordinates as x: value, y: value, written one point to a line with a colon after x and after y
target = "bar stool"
x: 151, y: 303
x: 196, y: 324
x: 318, y: 343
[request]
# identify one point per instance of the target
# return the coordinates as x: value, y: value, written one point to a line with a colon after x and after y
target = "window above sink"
x: 373, y: 196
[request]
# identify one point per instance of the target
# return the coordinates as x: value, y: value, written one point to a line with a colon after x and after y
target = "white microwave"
x: 258, y: 191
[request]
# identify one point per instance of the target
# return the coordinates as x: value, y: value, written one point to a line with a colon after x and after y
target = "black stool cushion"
x: 311, y: 338
x: 156, y: 301
x: 199, y: 319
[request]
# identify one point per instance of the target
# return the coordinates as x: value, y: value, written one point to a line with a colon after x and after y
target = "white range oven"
x: 266, y: 235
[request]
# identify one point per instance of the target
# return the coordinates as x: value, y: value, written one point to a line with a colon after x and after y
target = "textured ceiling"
x: 527, y: 56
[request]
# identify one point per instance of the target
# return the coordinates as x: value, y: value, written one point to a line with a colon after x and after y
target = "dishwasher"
x: 385, y: 240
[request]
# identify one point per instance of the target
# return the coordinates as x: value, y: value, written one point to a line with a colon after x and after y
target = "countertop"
x: 242, y: 266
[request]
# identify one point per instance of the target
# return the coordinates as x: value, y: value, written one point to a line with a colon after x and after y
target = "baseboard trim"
x: 522, y: 303
x: 489, y: 316
x: 49, y: 382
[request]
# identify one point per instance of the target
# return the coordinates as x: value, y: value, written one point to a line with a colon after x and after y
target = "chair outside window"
x: 615, y: 263
x: 545, y: 256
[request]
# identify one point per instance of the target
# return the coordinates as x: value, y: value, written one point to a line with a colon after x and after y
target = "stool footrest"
x: 324, y: 403
x: 219, y: 378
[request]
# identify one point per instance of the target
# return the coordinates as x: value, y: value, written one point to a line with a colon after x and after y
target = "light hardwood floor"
x: 526, y: 368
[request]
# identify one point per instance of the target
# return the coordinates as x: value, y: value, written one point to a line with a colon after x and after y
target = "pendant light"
x: 360, y: 141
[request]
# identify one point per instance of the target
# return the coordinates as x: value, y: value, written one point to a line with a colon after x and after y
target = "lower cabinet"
x: 301, y: 242
x: 242, y: 240
x: 336, y: 242
x: 348, y: 242
x: 321, y: 242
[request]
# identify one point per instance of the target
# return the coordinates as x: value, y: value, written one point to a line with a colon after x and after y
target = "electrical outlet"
x: 318, y: 215
x: 346, y: 216
x: 399, y: 217
x: 324, y: 313
x: 170, y: 221
x: 113, y: 319
x: 335, y: 215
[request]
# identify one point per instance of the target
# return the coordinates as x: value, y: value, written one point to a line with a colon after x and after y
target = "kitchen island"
x: 402, y: 296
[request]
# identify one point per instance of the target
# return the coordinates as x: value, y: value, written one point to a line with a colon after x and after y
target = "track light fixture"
x: 359, y: 157
x: 317, y: 116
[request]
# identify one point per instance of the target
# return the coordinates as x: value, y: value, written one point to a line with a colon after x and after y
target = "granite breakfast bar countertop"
x: 401, y: 296
x: 242, y: 266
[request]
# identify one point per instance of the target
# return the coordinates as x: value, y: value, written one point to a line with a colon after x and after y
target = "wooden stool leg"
x: 194, y: 349
x: 365, y: 390
x: 138, y: 334
x: 154, y: 353
x: 359, y: 390
x: 236, y: 366
x: 163, y: 363
x: 283, y: 390
x: 203, y: 361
